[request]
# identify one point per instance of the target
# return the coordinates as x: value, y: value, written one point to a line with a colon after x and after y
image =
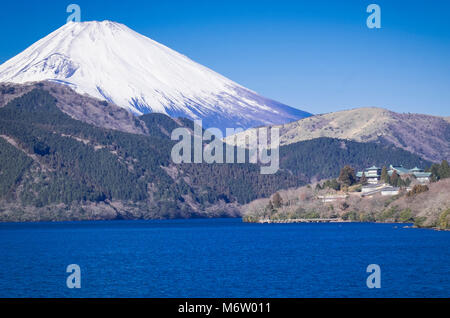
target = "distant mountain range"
x: 64, y: 156
x: 109, y: 61
x: 425, y: 135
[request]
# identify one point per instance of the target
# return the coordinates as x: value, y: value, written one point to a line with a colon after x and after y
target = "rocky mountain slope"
x: 80, y: 107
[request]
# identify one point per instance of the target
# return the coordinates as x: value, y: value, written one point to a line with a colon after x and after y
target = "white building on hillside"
x: 372, y: 174
x: 390, y: 191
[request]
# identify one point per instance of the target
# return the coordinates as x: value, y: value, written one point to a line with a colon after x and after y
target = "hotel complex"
x: 373, y: 173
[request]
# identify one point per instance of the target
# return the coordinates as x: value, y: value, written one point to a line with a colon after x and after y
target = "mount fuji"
x: 109, y: 61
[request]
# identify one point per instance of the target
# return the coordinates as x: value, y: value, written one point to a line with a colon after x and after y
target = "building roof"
x: 422, y: 174
x: 399, y: 169
x: 391, y: 189
x: 359, y: 174
x: 372, y: 186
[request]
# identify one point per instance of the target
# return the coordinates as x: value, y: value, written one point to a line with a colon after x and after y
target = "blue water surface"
x: 221, y: 258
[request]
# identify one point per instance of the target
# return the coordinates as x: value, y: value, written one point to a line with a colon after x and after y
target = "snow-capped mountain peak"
x: 110, y: 61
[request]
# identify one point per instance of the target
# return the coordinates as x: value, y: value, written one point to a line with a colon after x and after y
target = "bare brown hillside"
x: 427, y: 136
x: 81, y: 107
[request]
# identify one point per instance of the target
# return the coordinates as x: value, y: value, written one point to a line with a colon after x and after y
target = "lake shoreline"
x: 265, y: 221
x: 339, y: 221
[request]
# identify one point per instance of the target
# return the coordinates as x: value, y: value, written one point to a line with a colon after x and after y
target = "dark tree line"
x: 88, y: 163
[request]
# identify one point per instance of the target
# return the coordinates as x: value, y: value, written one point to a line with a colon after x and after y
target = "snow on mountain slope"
x: 108, y: 60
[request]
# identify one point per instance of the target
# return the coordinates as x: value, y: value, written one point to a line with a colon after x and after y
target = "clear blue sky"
x: 318, y: 56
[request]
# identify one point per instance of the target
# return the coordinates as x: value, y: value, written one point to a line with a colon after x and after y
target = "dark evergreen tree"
x: 363, y: 179
x: 394, y: 179
x: 347, y: 176
x: 332, y: 184
x: 384, y: 175
x: 277, y: 200
x: 444, y: 170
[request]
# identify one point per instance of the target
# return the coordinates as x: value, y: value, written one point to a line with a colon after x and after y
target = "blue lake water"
x: 222, y: 258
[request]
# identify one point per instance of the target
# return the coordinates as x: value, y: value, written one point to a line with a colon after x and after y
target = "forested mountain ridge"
x: 322, y: 158
x: 62, y: 168
x: 55, y: 167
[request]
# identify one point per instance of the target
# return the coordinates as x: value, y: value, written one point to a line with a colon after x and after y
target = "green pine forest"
x: 60, y: 161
